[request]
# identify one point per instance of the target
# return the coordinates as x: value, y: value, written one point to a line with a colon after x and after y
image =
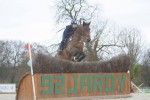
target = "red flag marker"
x: 27, y: 47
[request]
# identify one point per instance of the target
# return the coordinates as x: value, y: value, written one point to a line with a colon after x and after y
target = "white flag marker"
x: 29, y: 63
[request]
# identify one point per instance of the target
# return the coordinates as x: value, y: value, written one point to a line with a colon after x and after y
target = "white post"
x: 136, y: 87
x: 32, y: 75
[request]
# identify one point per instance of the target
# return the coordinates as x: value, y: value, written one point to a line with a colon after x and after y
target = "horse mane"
x: 79, y: 29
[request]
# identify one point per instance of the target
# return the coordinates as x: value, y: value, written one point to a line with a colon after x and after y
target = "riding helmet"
x: 73, y: 22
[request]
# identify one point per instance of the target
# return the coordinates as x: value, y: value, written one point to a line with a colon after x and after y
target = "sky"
x: 34, y: 20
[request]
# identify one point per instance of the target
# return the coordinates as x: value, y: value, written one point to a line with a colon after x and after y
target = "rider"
x: 68, y: 32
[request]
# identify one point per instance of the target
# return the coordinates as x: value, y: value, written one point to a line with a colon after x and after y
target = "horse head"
x: 86, y: 31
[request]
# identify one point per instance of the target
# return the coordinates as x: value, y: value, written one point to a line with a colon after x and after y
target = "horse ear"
x: 89, y: 23
x: 84, y: 23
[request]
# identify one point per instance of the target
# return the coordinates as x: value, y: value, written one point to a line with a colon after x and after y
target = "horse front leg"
x: 79, y: 56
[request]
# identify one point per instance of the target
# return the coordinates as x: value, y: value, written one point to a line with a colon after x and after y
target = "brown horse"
x: 74, y: 49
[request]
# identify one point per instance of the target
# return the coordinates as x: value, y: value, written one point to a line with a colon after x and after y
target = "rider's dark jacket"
x: 68, y: 32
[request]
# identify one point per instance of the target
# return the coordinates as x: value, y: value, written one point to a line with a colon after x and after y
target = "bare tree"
x: 145, y: 69
x: 2, y: 44
x: 38, y: 48
x: 14, y: 58
x: 17, y: 48
x: 74, y: 9
x: 5, y: 53
x: 146, y: 58
x: 103, y: 42
x: 11, y: 56
x: 131, y: 38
